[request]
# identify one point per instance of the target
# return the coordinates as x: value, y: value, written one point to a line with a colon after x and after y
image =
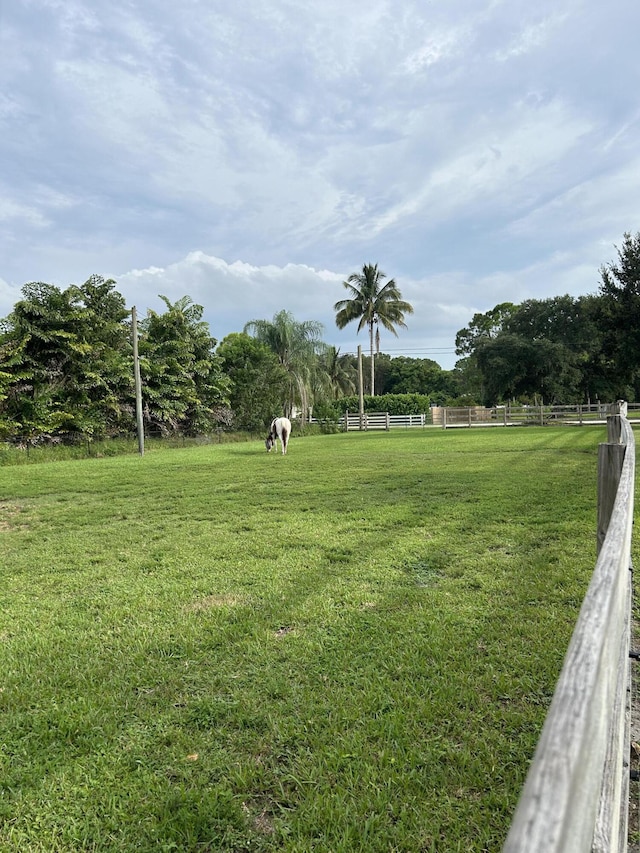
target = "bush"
x: 395, y: 404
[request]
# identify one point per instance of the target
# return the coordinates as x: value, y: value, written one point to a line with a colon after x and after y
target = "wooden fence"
x: 471, y: 416
x: 575, y: 798
x: 576, y: 415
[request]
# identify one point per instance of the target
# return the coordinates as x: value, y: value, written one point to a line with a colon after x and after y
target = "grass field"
x: 350, y: 648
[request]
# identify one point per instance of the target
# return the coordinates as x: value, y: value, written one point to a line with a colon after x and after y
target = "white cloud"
x: 502, y: 164
x: 437, y: 47
x: 481, y: 151
x: 532, y: 36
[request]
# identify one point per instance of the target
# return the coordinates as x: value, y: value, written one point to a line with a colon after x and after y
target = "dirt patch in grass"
x: 8, y: 513
x: 261, y: 822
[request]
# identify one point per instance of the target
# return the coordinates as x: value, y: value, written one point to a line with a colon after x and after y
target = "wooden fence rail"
x: 478, y: 416
x: 575, y: 799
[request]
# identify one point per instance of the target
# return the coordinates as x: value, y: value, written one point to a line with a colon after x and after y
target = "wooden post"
x: 138, y: 382
x: 610, y: 459
x: 387, y: 422
x: 614, y: 429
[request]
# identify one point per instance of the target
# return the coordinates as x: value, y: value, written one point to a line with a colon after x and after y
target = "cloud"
x: 480, y: 151
x: 532, y: 36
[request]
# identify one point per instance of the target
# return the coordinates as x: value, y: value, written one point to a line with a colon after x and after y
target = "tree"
x: 68, y: 357
x: 372, y: 303
x: 570, y: 324
x: 183, y: 387
x: 515, y: 367
x: 548, y: 348
x: 620, y: 316
x: 413, y: 376
x: 340, y: 372
x: 483, y: 327
x: 258, y: 381
x: 104, y: 382
x: 297, y: 345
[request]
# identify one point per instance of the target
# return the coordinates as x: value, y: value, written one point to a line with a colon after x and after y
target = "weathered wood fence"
x: 575, y: 798
x: 471, y: 416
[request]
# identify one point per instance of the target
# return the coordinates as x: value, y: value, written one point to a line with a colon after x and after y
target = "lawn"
x: 350, y: 648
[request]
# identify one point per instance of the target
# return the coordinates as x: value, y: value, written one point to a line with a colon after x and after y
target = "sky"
x: 252, y: 155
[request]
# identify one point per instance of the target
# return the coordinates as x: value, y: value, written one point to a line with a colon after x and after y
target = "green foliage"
x: 542, y: 349
x: 66, y: 362
x: 328, y: 414
x: 483, y: 327
x: 339, y: 372
x: 259, y: 383
x: 402, y: 375
x: 297, y: 346
x: 183, y: 387
x: 67, y: 367
x: 619, y: 316
x: 395, y: 404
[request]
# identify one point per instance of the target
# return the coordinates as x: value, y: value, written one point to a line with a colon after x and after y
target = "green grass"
x: 350, y: 648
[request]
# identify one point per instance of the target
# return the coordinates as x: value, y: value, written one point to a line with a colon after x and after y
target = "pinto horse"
x: 280, y: 429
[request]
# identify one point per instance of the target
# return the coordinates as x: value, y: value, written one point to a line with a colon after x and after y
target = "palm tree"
x: 297, y: 345
x: 372, y: 303
x: 339, y: 371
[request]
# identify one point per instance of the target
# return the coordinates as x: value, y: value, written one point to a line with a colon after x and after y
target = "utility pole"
x: 138, y: 382
x: 360, y: 388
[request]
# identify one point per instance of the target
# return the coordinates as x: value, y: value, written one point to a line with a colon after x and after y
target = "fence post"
x: 610, y: 459
x: 444, y: 417
x: 388, y: 422
x: 614, y: 429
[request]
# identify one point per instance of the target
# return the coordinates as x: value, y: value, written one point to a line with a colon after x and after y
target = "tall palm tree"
x: 372, y: 303
x: 297, y: 345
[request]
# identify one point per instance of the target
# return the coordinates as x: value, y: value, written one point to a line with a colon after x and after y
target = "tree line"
x: 66, y: 360
x: 66, y: 368
x: 559, y: 350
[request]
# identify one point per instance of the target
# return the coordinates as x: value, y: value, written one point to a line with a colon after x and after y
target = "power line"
x: 406, y: 351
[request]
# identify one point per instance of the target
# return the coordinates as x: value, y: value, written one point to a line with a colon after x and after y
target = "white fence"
x: 576, y: 794
x: 382, y: 420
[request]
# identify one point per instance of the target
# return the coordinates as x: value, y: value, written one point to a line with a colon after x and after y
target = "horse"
x: 280, y: 429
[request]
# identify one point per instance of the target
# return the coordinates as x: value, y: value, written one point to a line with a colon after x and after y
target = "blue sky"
x: 252, y: 155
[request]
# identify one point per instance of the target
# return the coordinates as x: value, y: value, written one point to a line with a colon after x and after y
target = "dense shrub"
x: 395, y: 404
